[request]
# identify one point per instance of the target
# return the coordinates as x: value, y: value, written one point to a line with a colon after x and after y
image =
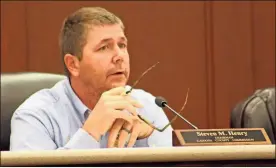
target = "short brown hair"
x: 75, y: 27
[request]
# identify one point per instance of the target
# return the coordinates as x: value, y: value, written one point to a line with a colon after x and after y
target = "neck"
x: 88, y: 95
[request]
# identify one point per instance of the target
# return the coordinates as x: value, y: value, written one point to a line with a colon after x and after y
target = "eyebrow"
x: 109, y: 39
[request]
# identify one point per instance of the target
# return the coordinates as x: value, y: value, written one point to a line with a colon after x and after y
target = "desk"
x: 242, y: 155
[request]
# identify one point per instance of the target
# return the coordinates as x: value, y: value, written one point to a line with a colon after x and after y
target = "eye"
x: 103, y: 48
x: 122, y: 45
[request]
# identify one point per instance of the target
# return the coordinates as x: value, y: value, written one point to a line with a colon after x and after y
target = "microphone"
x: 162, y: 102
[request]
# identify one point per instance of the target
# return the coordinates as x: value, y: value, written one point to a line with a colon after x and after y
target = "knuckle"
x: 124, y: 103
x: 103, y: 98
x: 104, y: 94
x: 133, y: 101
x: 130, y: 107
x: 105, y: 103
x: 122, y: 88
x: 128, y: 98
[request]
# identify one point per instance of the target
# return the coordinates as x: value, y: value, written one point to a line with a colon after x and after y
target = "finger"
x: 112, y: 117
x: 134, y: 135
x: 117, y: 114
x: 114, y: 131
x: 124, y: 135
x: 115, y: 91
x: 122, y: 105
x: 124, y: 98
x: 135, y: 103
x: 116, y: 97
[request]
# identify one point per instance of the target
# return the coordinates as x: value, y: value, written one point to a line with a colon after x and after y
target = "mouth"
x: 118, y: 73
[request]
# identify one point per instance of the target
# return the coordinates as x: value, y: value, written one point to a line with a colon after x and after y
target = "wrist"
x: 92, y: 131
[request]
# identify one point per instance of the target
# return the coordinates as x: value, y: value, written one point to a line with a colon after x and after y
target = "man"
x: 90, y: 108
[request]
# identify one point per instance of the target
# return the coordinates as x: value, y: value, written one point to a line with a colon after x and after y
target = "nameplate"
x: 240, y: 136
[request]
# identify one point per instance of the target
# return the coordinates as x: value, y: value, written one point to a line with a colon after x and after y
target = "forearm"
x: 28, y: 133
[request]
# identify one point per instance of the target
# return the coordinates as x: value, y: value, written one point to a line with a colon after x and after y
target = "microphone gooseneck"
x: 162, y: 102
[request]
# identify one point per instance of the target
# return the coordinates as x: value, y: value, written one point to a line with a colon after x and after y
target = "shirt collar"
x: 81, y: 108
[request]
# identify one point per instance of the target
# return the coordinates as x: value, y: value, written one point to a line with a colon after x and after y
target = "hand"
x: 138, y: 130
x: 109, y: 108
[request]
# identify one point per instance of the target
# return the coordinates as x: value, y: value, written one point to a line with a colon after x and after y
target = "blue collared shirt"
x: 53, y: 118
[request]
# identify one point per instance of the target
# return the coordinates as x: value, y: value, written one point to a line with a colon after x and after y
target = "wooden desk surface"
x: 138, y: 155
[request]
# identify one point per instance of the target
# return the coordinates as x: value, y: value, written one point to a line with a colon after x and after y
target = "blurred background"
x: 223, y: 51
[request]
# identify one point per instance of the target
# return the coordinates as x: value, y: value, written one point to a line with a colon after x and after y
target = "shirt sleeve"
x: 82, y: 140
x: 33, y: 131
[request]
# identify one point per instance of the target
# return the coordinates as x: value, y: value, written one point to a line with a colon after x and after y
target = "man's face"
x: 105, y: 59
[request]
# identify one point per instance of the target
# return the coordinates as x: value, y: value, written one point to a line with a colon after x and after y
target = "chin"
x: 114, y: 85
x: 117, y: 84
x: 110, y: 84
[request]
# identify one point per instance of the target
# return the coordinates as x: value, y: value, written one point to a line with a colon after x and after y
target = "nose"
x: 118, y: 56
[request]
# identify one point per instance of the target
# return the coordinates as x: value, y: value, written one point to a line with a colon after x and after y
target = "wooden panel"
x: 169, y: 32
x: 232, y: 57
x: 172, y: 33
x: 209, y: 43
x: 263, y: 26
x: 13, y: 37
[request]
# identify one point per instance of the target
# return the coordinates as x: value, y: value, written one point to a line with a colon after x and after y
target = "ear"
x: 73, y: 64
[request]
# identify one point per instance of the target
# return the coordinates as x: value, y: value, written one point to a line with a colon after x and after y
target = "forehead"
x: 101, y: 32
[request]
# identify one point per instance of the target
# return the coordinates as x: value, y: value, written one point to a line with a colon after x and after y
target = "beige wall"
x: 222, y: 51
